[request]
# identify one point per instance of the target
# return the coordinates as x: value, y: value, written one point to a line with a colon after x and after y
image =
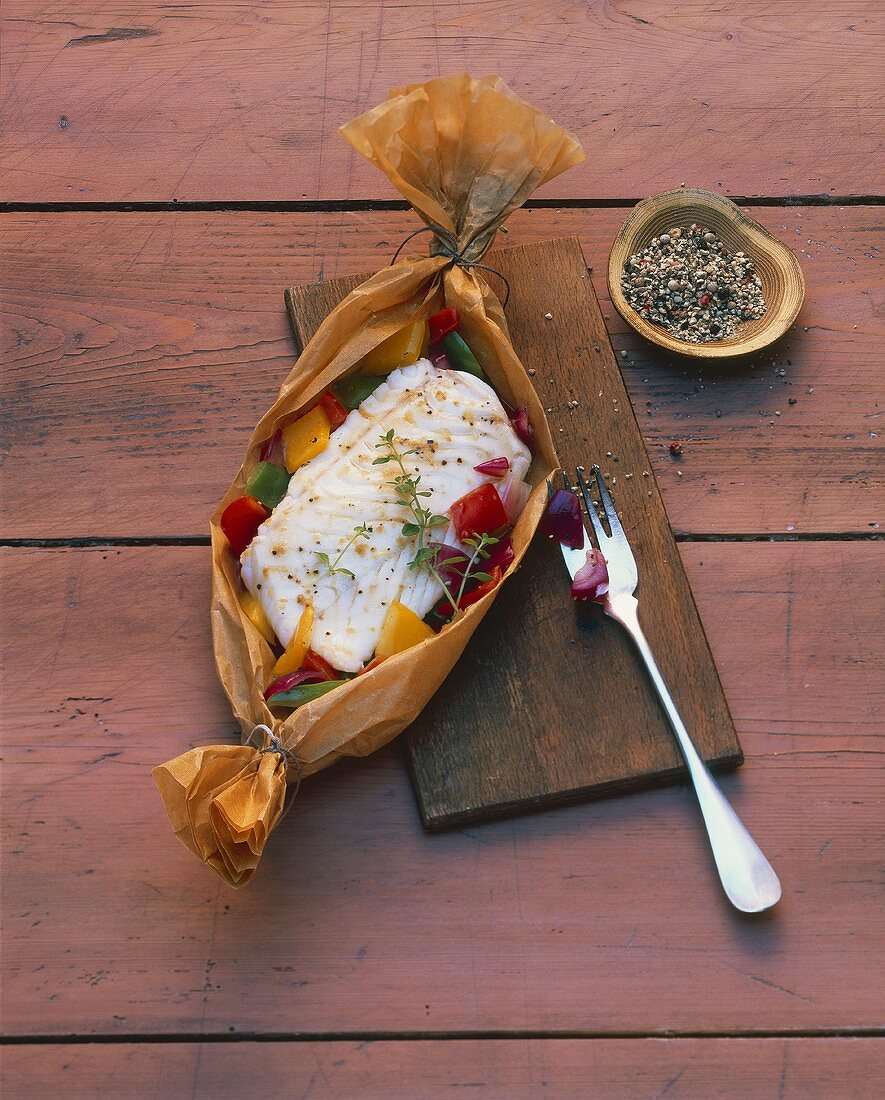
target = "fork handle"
x: 746, y: 875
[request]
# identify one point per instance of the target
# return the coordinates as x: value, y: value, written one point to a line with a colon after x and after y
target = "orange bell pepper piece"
x: 298, y: 645
x: 305, y: 438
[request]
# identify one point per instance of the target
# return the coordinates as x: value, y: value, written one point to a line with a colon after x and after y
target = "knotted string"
x: 448, y: 246
x: 275, y: 745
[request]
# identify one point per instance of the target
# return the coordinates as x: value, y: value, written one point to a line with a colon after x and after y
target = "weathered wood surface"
x: 140, y: 349
x: 516, y: 1069
x: 215, y: 101
x: 602, y: 917
x: 497, y: 739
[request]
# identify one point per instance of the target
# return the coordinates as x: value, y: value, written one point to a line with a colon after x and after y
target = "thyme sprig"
x: 363, y: 531
x: 478, y: 552
x: 409, y: 496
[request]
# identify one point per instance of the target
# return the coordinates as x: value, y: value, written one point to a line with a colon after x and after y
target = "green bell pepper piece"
x: 304, y: 693
x: 460, y: 355
x: 268, y: 483
x: 353, y: 390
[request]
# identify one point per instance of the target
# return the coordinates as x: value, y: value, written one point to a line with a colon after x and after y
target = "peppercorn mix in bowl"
x: 692, y: 273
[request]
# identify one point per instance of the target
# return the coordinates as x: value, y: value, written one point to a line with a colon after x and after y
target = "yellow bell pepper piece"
x: 305, y: 438
x: 298, y: 645
x: 400, y: 350
x: 255, y: 614
x: 401, y: 630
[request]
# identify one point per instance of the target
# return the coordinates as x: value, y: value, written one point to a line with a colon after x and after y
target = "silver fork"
x: 746, y: 875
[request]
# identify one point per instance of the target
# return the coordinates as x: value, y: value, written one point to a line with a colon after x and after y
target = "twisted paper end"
x: 223, y: 801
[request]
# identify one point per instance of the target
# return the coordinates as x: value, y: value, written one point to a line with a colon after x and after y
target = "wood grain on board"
x: 150, y: 344
x: 604, y: 916
x: 548, y: 703
x: 514, y: 1069
x: 207, y: 101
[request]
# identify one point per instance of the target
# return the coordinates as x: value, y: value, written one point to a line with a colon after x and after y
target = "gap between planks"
x: 516, y: 1035
x: 89, y: 542
x: 337, y: 206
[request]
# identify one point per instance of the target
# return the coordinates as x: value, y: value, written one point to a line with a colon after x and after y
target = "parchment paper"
x: 465, y: 153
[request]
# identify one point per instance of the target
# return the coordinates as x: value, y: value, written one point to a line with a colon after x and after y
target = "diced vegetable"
x: 271, y: 448
x: 460, y: 355
x: 240, y: 520
x: 255, y: 614
x: 374, y: 663
x: 401, y: 630
x: 450, y: 563
x: 355, y: 388
x: 292, y: 679
x: 438, y: 357
x: 591, y: 580
x: 316, y: 663
x: 304, y: 693
x: 305, y: 438
x: 479, y: 512
x: 298, y: 645
x: 495, y: 467
x: 333, y: 409
x: 400, y: 350
x: 515, y: 494
x: 562, y: 520
x: 500, y: 555
x: 446, y: 610
x: 442, y: 323
x: 268, y: 483
x: 523, y: 427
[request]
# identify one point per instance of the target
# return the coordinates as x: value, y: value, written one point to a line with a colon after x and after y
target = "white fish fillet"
x: 455, y: 422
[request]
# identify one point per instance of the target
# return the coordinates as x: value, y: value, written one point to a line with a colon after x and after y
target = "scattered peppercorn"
x: 688, y: 282
x: 675, y: 449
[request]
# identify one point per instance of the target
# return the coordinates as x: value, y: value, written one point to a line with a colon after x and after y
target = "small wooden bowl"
x: 783, y: 284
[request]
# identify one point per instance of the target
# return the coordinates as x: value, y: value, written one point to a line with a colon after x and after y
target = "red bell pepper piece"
x: 333, y: 409
x: 315, y: 663
x: 442, y: 323
x: 446, y: 610
x: 240, y: 521
x: 479, y: 512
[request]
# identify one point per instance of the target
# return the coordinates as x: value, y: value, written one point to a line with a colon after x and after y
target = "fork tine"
x: 608, y: 504
x: 598, y: 529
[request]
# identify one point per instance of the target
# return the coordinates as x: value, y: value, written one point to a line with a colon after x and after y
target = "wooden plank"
x: 143, y: 343
x: 603, y: 917
x: 206, y: 101
x: 586, y: 720
x: 514, y: 1069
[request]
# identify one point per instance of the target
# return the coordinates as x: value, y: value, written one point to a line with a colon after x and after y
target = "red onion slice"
x: 591, y: 580
x: 523, y: 428
x: 438, y: 357
x: 501, y: 555
x: 293, y: 679
x: 270, y: 447
x: 450, y: 563
x: 514, y: 494
x: 494, y: 467
x: 562, y: 520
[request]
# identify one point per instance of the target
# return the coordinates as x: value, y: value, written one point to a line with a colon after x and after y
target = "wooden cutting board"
x: 549, y: 702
